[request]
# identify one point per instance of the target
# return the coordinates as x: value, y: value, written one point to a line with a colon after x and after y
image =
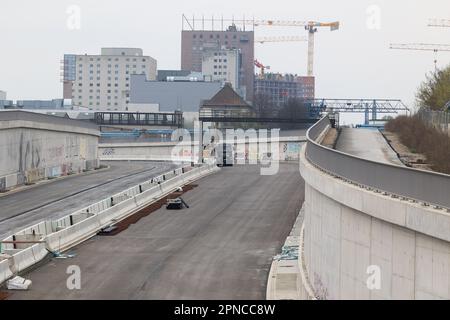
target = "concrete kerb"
x: 81, y: 231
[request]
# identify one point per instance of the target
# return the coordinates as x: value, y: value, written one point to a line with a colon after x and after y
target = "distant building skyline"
x: 280, y: 88
x: 102, y: 82
x: 195, y: 42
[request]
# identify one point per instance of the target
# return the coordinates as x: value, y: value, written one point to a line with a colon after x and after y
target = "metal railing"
x: 430, y: 188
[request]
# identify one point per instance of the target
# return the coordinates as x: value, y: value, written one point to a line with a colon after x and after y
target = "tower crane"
x: 280, y: 39
x: 310, y: 26
x: 261, y: 67
x: 422, y: 47
x: 439, y: 23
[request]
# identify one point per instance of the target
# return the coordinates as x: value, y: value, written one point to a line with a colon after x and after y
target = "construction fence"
x: 438, y: 119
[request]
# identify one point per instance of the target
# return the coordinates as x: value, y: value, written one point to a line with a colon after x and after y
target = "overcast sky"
x: 353, y: 62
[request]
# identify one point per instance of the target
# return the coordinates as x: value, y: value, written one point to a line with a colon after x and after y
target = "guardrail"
x: 430, y: 188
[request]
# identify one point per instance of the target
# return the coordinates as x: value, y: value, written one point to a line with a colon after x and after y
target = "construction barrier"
x: 28, y: 257
x: 5, y: 271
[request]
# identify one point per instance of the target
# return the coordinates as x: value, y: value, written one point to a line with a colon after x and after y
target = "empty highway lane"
x: 219, y: 248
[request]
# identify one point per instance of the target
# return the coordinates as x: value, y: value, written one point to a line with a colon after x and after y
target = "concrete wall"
x: 35, y: 147
x: 171, y: 96
x: 289, y: 150
x: 347, y: 229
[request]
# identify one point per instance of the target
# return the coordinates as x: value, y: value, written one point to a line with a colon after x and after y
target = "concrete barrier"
x: 28, y: 257
x: 5, y: 271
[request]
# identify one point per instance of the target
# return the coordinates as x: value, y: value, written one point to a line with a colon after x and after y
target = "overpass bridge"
x: 372, y: 230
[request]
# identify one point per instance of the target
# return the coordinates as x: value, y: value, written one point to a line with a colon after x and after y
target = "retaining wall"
x: 35, y: 147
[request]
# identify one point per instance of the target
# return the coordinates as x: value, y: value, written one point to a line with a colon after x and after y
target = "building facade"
x: 222, y: 65
x: 195, y: 42
x: 280, y: 88
x: 170, y: 96
x: 102, y: 82
x: 2, y: 95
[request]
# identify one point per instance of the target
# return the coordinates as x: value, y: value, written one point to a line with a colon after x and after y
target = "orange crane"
x: 262, y: 67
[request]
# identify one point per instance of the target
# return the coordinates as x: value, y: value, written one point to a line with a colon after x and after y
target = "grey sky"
x: 352, y: 62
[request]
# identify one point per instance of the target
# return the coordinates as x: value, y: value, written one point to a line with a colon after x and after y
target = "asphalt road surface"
x: 219, y: 248
x: 61, y: 197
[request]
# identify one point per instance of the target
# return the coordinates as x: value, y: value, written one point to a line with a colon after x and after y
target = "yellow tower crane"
x: 310, y: 26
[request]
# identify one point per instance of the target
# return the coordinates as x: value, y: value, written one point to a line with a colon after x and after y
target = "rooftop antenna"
x: 222, y: 22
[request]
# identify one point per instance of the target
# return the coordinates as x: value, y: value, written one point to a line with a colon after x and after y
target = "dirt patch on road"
x: 125, y: 223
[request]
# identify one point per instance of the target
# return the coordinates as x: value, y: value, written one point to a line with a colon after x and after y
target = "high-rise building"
x: 223, y: 65
x: 278, y: 88
x: 2, y: 95
x: 102, y: 82
x: 195, y: 42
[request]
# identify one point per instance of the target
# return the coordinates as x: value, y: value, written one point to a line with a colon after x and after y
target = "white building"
x: 222, y: 65
x: 2, y: 95
x: 102, y: 82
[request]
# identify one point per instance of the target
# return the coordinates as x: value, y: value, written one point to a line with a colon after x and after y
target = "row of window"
x: 220, y: 60
x: 110, y: 59
x: 110, y: 66
x: 98, y: 91
x: 109, y: 78
x: 98, y: 84
x: 109, y: 72
x: 211, y: 36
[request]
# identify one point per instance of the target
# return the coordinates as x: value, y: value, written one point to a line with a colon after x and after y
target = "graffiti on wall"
x: 108, y: 151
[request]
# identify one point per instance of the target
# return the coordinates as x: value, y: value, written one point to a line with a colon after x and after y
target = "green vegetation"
x: 422, y: 138
x: 434, y: 92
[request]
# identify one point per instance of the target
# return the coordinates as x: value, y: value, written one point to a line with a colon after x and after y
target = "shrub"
x: 424, y: 139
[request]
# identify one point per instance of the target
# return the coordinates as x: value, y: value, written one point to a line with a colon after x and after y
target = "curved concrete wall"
x: 47, y: 147
x: 351, y: 233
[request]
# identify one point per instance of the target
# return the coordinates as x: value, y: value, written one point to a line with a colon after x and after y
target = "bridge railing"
x: 427, y: 187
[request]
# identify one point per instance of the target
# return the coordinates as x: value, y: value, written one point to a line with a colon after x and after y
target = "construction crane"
x: 280, y: 39
x: 261, y: 67
x: 422, y: 47
x: 439, y: 23
x: 310, y: 26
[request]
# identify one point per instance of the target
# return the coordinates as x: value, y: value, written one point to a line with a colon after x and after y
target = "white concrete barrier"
x: 28, y: 257
x: 5, y: 271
